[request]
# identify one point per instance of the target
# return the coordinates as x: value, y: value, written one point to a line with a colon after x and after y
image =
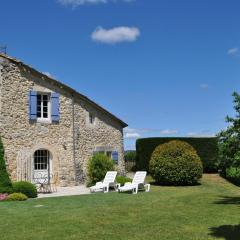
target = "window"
x: 111, y: 154
x: 41, y: 159
x: 43, y: 106
x: 91, y: 118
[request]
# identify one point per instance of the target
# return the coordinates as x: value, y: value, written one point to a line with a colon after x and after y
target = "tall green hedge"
x: 5, y: 182
x: 206, y: 148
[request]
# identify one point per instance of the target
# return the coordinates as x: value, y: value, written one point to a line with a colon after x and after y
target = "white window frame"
x: 105, y: 152
x: 42, y: 119
x: 41, y: 174
x: 38, y: 161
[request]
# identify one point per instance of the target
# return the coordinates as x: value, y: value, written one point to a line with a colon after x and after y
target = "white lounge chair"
x: 137, y: 182
x: 109, y: 181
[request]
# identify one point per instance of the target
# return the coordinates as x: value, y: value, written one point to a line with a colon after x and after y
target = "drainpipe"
x: 74, y: 139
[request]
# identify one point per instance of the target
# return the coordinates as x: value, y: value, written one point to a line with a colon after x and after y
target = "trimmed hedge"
x: 176, y: 163
x: 207, y: 149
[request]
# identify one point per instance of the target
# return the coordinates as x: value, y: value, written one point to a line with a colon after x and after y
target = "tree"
x: 5, y: 182
x: 229, y: 140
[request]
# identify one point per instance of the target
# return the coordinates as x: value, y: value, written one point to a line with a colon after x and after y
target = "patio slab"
x: 66, y: 191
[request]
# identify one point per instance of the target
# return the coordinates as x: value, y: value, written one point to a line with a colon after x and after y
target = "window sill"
x: 45, y: 121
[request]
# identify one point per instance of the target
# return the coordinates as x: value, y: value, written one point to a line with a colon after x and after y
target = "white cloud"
x: 168, y: 132
x: 129, y: 130
x: 201, y: 134
x: 116, y: 35
x: 76, y: 3
x: 204, y: 86
x: 233, y: 51
x: 132, y: 135
x: 140, y: 130
x: 136, y: 133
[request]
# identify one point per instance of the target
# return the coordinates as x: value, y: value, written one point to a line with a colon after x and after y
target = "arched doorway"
x: 42, y: 165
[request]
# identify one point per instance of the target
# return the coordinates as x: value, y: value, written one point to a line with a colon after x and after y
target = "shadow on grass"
x: 172, y: 185
x: 228, y: 200
x: 228, y: 232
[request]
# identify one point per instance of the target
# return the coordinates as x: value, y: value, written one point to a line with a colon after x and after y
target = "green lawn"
x: 207, y: 211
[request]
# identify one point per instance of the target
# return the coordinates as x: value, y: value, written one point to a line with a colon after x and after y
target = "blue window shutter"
x: 55, y: 107
x: 32, y: 105
x: 115, y: 157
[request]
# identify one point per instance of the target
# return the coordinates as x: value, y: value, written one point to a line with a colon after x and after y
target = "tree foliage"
x: 229, y: 140
x: 130, y: 156
x: 5, y: 182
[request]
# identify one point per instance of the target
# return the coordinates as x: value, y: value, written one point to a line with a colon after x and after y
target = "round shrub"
x: 98, y: 166
x: 26, y: 188
x: 122, y: 180
x: 176, y: 163
x: 16, y: 197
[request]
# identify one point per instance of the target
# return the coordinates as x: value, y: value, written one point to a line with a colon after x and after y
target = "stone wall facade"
x: 71, y: 141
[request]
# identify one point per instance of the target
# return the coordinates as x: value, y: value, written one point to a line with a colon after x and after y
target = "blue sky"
x: 166, y: 67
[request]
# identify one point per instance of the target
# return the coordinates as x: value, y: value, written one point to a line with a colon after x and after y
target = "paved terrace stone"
x: 66, y: 191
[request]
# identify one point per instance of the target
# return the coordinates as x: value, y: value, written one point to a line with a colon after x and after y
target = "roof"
x: 71, y: 90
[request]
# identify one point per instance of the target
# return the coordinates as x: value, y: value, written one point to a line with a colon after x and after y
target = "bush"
x: 207, y: 149
x: 233, y: 175
x: 7, y: 190
x: 122, y: 180
x: 98, y: 166
x: 5, y: 182
x: 176, y: 163
x: 16, y: 197
x: 26, y: 188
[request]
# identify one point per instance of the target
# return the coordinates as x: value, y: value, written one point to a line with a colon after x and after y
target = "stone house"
x: 50, y: 129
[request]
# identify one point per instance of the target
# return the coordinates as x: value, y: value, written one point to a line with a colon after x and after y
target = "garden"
x: 206, y: 211
x: 194, y: 195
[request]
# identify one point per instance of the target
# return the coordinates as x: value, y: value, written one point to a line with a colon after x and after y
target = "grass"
x: 207, y: 211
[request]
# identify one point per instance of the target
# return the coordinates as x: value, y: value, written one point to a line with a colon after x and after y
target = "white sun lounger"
x: 109, y: 181
x: 137, y: 182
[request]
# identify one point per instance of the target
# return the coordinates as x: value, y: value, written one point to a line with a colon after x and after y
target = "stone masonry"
x: 71, y: 141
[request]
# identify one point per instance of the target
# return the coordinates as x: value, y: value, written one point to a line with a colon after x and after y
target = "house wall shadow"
x: 228, y: 232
